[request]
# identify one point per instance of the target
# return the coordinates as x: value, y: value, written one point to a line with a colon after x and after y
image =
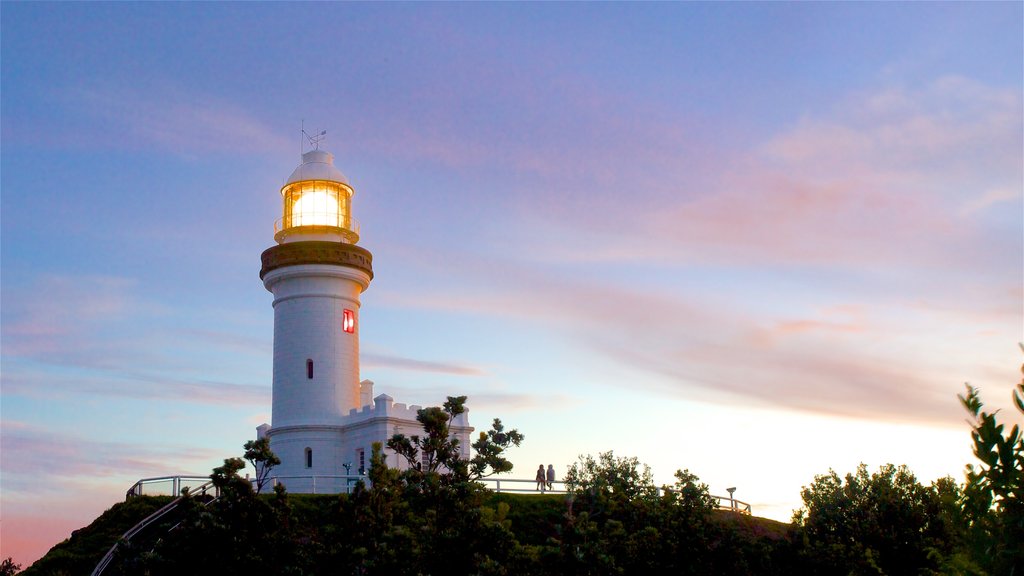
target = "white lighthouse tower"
x: 324, y: 420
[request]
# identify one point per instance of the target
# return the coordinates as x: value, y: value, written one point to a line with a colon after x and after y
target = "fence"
x: 344, y: 484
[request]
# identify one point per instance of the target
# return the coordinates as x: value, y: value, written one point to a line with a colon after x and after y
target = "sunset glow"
x: 809, y: 213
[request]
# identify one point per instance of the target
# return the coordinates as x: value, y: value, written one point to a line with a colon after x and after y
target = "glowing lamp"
x: 317, y: 202
x: 348, y: 323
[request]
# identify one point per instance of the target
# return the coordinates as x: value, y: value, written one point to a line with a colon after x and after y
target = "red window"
x: 348, y: 324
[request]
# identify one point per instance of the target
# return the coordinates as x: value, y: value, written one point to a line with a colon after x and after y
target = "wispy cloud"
x: 850, y: 359
x: 72, y: 336
x: 166, y: 115
x: 371, y: 360
x: 885, y: 178
x: 54, y: 483
x: 36, y: 383
x: 988, y: 199
x: 30, y: 454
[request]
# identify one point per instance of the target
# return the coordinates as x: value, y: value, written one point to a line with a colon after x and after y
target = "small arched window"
x: 309, y: 368
x: 309, y: 457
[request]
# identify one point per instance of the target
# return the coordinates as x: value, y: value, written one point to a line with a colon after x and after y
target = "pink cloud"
x: 29, y: 454
x: 170, y: 116
x: 103, y: 328
x: 371, y: 360
x: 864, y: 359
x: 43, y: 502
x: 133, y: 385
x: 41, y: 318
x: 892, y: 178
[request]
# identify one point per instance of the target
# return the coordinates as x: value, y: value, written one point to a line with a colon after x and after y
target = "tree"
x: 994, y: 490
x: 439, y: 450
x: 8, y: 567
x: 691, y: 494
x: 226, y: 479
x: 440, y: 512
x: 490, y: 448
x: 608, y: 475
x: 618, y: 522
x: 262, y: 459
x: 885, y: 522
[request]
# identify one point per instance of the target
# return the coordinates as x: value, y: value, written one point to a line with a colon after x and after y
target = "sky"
x: 757, y: 241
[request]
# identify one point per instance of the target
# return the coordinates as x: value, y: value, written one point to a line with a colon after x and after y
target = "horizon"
x: 755, y: 241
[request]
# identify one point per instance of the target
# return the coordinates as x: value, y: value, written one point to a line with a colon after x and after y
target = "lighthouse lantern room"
x: 317, y: 202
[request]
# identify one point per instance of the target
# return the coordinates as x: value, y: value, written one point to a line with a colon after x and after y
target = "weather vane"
x: 315, y: 139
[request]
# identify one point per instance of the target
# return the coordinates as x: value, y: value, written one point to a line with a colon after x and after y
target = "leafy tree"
x: 608, y: 475
x: 439, y: 450
x: 490, y: 448
x: 691, y: 494
x: 262, y: 459
x: 442, y: 503
x: 880, y: 523
x: 618, y: 522
x: 226, y: 478
x: 8, y: 567
x: 995, y: 488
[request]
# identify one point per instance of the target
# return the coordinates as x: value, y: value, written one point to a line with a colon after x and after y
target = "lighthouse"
x: 324, y: 418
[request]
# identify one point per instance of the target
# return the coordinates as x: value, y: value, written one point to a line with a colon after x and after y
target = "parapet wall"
x: 384, y: 406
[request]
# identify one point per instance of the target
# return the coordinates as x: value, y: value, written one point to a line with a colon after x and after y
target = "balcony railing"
x: 352, y: 228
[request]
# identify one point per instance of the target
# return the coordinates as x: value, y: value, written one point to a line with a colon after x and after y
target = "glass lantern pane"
x: 316, y: 205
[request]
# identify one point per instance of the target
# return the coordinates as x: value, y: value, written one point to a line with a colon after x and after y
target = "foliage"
x: 80, y: 553
x: 609, y: 476
x: 880, y: 523
x: 438, y: 447
x: 438, y: 450
x: 993, y: 494
x: 490, y: 448
x: 262, y: 459
x: 618, y: 522
x: 226, y: 479
x: 8, y: 567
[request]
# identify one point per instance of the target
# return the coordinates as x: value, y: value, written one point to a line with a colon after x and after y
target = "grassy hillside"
x: 534, y: 519
x: 80, y: 553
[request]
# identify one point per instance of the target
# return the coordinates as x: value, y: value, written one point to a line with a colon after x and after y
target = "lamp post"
x: 732, y: 500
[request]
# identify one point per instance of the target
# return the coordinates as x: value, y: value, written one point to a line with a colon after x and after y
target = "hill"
x: 80, y: 553
x: 534, y: 520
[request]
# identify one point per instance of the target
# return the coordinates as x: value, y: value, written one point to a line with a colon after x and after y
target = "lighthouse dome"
x: 317, y: 165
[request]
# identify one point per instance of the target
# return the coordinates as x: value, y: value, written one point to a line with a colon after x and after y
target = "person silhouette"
x: 551, y: 475
x: 541, y: 478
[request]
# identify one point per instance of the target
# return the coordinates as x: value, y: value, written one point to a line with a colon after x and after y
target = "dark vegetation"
x: 80, y: 553
x: 435, y: 519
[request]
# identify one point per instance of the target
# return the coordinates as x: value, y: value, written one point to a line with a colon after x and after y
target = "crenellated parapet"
x: 384, y: 406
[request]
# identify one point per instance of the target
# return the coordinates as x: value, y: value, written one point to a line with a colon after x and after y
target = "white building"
x: 324, y: 417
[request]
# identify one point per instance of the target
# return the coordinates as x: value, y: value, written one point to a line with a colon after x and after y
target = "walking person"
x: 541, y: 478
x: 551, y: 476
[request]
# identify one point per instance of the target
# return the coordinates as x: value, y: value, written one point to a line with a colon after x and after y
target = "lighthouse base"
x: 330, y: 458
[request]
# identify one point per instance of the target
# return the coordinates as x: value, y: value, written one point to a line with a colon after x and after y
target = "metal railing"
x: 729, y: 503
x: 149, y: 520
x: 353, y: 225
x: 345, y: 483
x: 328, y: 483
x: 522, y: 486
x: 165, y: 485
